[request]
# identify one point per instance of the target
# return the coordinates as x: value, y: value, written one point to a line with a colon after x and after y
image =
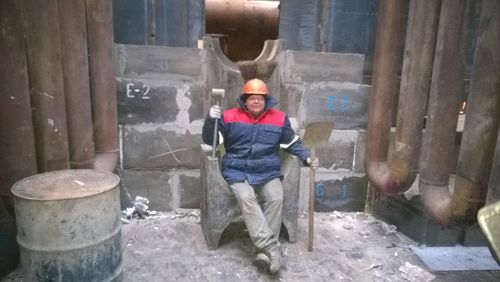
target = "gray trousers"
x: 263, y: 224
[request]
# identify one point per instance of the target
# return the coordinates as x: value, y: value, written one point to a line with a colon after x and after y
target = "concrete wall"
x: 327, y: 87
x: 164, y: 94
x: 161, y: 97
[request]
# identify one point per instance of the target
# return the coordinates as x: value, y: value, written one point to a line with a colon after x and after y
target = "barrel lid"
x: 65, y: 184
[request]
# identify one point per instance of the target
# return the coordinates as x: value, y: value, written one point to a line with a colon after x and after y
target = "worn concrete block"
x: 158, y: 62
x: 316, y: 66
x: 190, y: 185
x: 153, y: 185
x: 342, y: 192
x: 359, y: 152
x: 161, y: 146
x: 291, y: 97
x: 159, y: 101
x: 339, y: 190
x: 339, y: 152
x: 345, y: 104
x: 275, y: 87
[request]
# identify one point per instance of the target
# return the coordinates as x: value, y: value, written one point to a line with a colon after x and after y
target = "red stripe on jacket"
x: 271, y: 117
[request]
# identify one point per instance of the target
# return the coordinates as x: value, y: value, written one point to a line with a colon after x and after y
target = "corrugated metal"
x: 159, y: 22
x: 130, y: 21
x: 299, y: 21
x: 352, y: 27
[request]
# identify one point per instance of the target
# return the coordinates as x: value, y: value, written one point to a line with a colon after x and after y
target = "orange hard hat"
x: 255, y: 86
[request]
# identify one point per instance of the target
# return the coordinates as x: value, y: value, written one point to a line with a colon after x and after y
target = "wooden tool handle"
x: 216, y: 133
x: 312, y: 176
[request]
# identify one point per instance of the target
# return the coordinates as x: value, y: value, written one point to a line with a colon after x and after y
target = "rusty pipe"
x: 76, y: 82
x: 247, y: 25
x: 46, y: 84
x: 103, y: 83
x: 482, y: 117
x: 17, y: 149
x: 415, y: 84
x: 494, y: 183
x: 387, y: 61
x: 445, y: 93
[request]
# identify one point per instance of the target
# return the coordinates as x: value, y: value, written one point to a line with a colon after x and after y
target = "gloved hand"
x: 215, y: 111
x: 314, y: 163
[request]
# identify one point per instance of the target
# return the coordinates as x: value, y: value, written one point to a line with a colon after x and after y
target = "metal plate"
x: 457, y: 258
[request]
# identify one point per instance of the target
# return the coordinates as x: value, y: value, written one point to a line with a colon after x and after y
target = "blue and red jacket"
x: 252, y: 144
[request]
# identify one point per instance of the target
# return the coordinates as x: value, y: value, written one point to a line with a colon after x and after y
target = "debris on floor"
x: 139, y: 209
x: 348, y: 246
x: 414, y: 273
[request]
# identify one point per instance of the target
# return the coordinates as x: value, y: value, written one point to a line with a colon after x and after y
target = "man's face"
x: 255, y: 104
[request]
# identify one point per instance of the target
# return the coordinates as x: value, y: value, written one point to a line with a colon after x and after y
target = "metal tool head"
x: 218, y: 93
x: 317, y: 133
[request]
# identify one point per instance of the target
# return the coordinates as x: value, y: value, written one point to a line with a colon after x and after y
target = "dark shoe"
x: 262, y: 260
x: 274, y: 255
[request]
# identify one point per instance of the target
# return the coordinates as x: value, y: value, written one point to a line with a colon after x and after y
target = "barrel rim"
x: 104, y: 188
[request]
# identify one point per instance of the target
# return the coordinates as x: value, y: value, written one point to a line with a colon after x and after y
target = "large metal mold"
x: 219, y: 207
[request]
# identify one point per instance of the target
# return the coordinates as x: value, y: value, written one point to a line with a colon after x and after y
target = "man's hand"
x: 215, y: 111
x: 314, y: 163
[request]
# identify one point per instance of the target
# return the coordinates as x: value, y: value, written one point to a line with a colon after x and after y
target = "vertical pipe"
x: 103, y: 83
x: 46, y: 83
x: 387, y: 63
x: 76, y: 82
x: 446, y: 91
x: 17, y: 145
x: 414, y: 91
x: 482, y: 117
x: 494, y: 183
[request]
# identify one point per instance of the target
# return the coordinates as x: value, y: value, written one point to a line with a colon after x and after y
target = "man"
x: 252, y: 136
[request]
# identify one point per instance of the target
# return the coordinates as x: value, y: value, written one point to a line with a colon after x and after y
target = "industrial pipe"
x: 414, y: 90
x: 494, y: 183
x: 247, y: 25
x: 103, y: 83
x: 387, y: 61
x: 46, y: 84
x: 76, y: 82
x: 482, y: 116
x: 16, y: 127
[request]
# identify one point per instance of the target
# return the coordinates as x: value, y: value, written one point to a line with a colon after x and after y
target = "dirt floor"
x: 347, y: 247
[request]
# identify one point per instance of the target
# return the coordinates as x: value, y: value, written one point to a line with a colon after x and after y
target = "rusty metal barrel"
x: 69, y: 226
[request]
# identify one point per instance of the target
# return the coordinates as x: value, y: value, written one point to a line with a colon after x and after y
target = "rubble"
x: 139, y: 209
x: 414, y: 273
x: 169, y: 246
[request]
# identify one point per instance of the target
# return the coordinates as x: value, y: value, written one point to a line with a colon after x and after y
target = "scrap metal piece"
x: 488, y: 218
